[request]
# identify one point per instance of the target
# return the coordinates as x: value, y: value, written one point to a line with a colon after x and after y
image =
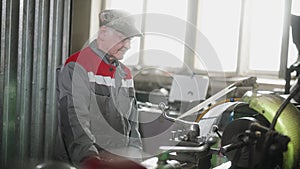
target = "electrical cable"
x: 218, y: 103
x: 282, y: 107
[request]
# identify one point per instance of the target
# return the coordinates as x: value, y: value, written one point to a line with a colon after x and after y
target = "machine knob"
x: 162, y: 106
x: 173, y: 134
x: 180, y: 133
x: 194, y: 132
x: 215, y: 129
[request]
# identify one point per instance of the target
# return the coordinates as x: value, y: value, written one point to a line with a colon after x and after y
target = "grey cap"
x: 120, y: 21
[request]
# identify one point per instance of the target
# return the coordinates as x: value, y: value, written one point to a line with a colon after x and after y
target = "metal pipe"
x: 55, y: 50
x: 285, y: 38
x: 66, y: 33
x: 9, y: 31
x: 2, y: 80
x: 184, y: 148
x: 24, y: 67
x: 39, y: 78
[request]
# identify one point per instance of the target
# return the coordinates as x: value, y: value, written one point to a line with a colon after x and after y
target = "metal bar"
x: 242, y: 65
x: 208, y: 101
x: 2, y: 81
x: 184, y: 149
x: 285, y: 38
x: 24, y: 77
x: 19, y: 77
x: 190, y: 38
x: 246, y: 82
x: 66, y: 33
x: 39, y: 79
x: 9, y: 29
x: 55, y: 50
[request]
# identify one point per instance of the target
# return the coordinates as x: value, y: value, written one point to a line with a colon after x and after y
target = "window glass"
x: 219, y: 22
x: 295, y: 7
x: 161, y: 50
x: 266, y: 26
x: 132, y: 6
x: 168, y: 7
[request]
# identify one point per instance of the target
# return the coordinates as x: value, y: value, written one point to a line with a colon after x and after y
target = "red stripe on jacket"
x: 91, y: 62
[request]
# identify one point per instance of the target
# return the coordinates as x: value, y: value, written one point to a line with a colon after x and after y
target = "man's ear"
x: 102, y: 31
x: 103, y: 28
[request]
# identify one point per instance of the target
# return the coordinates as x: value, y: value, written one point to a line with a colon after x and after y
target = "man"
x: 97, y: 108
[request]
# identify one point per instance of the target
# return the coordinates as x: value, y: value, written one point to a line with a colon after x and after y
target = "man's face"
x: 116, y: 44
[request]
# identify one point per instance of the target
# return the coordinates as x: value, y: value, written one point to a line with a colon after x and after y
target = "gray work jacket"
x: 97, y: 108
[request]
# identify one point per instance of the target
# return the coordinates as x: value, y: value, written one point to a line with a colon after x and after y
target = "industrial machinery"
x: 258, y: 131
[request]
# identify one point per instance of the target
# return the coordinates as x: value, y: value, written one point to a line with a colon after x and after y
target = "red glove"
x: 95, y: 162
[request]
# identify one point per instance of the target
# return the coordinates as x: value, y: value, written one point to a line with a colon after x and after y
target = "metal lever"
x: 162, y: 106
x: 231, y: 147
x: 215, y: 129
x: 184, y: 148
x: 247, y: 82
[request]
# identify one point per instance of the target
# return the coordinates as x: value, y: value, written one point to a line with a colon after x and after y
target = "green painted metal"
x: 287, y: 124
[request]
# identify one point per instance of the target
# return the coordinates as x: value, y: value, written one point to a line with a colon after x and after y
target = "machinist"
x: 98, y: 115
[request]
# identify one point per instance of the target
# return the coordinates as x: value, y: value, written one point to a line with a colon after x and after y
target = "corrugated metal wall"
x: 34, y: 41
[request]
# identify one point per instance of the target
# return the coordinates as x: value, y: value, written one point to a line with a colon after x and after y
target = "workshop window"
x: 162, y: 49
x: 245, y: 35
x: 159, y: 49
x: 265, y: 34
x: 219, y: 22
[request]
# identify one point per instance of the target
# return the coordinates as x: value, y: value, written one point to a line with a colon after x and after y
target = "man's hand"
x: 109, y: 162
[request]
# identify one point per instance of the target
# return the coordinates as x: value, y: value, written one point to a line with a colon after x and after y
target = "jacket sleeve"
x: 74, y: 99
x: 135, y: 137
